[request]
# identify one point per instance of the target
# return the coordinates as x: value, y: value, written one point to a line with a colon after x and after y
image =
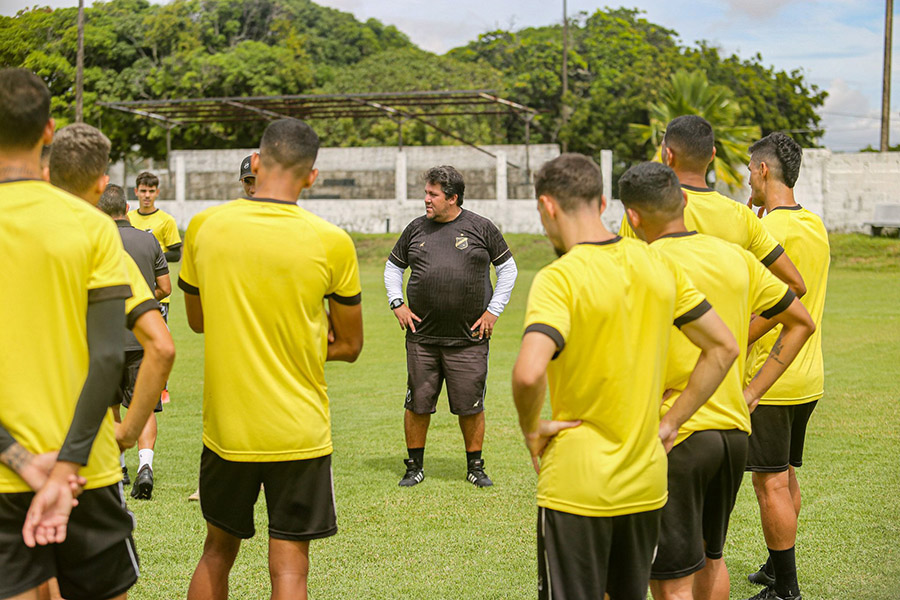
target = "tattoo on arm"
x: 16, y: 457
x: 775, y: 354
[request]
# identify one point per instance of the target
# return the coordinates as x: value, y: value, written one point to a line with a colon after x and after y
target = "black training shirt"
x: 149, y: 257
x: 450, y: 282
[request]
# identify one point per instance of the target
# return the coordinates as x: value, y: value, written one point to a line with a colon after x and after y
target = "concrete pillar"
x: 180, y: 194
x: 502, y: 181
x: 400, y: 177
x: 606, y: 157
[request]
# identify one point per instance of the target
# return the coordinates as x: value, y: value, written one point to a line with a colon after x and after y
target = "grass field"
x: 446, y: 539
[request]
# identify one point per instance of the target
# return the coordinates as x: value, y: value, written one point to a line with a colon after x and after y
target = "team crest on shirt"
x: 462, y: 243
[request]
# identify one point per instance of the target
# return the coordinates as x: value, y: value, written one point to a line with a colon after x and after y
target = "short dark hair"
x: 147, y: 178
x: 782, y: 155
x: 572, y: 179
x: 112, y: 201
x: 24, y: 108
x: 291, y: 144
x: 450, y: 180
x: 80, y: 155
x: 692, y: 138
x: 652, y: 187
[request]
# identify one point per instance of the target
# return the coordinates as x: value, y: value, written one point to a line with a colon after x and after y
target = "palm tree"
x: 690, y: 93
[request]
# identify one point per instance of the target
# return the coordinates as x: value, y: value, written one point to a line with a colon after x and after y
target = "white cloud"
x: 851, y: 122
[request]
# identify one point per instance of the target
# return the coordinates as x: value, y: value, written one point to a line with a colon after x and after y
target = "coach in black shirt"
x: 451, y: 315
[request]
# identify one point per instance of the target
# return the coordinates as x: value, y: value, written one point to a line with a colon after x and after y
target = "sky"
x: 837, y: 44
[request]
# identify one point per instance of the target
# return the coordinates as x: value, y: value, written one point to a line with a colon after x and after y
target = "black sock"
x: 417, y: 454
x: 768, y: 568
x: 470, y: 456
x: 785, y: 568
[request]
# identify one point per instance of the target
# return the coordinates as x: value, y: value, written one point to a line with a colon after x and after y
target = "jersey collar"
x: 795, y: 207
x: 123, y: 223
x: 272, y: 200
x: 677, y: 234
x: 694, y: 188
x: 603, y: 243
x: 155, y: 210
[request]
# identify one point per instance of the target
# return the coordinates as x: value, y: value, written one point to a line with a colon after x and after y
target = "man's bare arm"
x: 163, y: 287
x: 193, y: 307
x: 347, y: 325
x: 783, y: 268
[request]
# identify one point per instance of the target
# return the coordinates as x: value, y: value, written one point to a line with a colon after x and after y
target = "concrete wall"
x: 377, y: 190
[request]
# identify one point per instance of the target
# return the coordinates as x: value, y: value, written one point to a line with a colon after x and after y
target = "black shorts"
x: 778, y: 436
x: 463, y: 367
x: 585, y: 557
x: 164, y: 309
x: 133, y: 359
x: 97, y: 560
x: 299, y: 496
x: 705, y: 473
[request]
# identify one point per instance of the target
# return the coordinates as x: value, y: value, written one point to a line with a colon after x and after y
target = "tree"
x: 689, y: 93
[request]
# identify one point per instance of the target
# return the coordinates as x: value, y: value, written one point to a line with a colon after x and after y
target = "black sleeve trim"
x: 188, y: 288
x: 773, y: 255
x: 780, y: 307
x: 346, y: 300
x: 693, y: 314
x: 112, y: 292
x: 175, y: 247
x: 140, y: 309
x: 397, y: 261
x: 550, y: 332
x: 161, y: 272
x: 502, y: 258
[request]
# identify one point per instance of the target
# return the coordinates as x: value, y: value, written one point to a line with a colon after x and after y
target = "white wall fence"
x: 841, y: 188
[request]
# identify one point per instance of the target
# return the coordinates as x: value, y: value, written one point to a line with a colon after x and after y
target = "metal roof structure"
x: 399, y: 107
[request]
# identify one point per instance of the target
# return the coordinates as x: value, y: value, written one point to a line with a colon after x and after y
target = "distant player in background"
x: 779, y: 423
x: 148, y: 255
x: 247, y: 178
x: 688, y: 147
x: 162, y: 225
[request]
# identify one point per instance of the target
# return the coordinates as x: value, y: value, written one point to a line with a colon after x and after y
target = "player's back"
x: 805, y: 241
x: 736, y: 285
x: 263, y: 270
x: 59, y: 254
x: 615, y: 304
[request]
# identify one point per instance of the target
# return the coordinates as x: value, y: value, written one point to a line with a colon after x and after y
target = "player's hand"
x: 485, y: 325
x: 751, y: 398
x: 122, y: 438
x: 537, y: 440
x: 48, y: 515
x: 36, y: 470
x: 406, y: 317
x: 668, y: 433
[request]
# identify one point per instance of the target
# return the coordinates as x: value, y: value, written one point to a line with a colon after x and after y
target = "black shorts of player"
x: 778, y: 435
x: 585, y: 557
x: 123, y: 396
x: 464, y: 368
x: 299, y: 496
x: 97, y: 560
x: 705, y: 473
x: 164, y: 309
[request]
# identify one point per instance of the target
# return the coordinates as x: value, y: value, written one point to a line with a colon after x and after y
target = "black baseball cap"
x: 245, y: 169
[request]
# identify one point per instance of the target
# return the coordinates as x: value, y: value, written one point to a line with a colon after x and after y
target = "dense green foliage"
x: 619, y: 64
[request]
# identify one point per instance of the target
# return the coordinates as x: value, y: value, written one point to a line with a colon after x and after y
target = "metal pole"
x: 79, y: 67
x: 565, y: 70
x: 886, y: 78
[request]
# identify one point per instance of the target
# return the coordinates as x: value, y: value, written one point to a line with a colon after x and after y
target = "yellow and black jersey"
x: 59, y: 255
x: 163, y: 227
x: 263, y: 269
x: 610, y: 308
x: 737, y: 285
x: 710, y: 212
x: 805, y: 241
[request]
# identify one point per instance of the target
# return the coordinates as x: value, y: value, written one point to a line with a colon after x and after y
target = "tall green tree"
x: 690, y: 93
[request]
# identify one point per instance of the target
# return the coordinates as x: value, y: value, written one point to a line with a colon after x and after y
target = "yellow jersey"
x: 163, y: 227
x: 805, y: 240
x: 737, y: 285
x: 59, y: 255
x: 609, y: 307
x: 710, y: 212
x: 263, y: 269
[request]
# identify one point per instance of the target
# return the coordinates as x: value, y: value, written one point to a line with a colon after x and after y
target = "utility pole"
x: 79, y: 67
x: 886, y: 80
x: 565, y: 70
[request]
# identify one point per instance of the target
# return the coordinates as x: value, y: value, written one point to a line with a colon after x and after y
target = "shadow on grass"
x: 444, y: 468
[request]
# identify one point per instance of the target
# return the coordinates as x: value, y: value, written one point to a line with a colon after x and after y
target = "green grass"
x: 445, y: 539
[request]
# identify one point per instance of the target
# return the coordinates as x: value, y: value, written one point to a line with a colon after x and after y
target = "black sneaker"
x: 414, y: 473
x: 768, y: 593
x: 126, y: 480
x: 477, y: 475
x: 143, y: 484
x: 761, y: 577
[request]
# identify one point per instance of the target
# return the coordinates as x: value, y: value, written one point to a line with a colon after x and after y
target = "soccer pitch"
x: 446, y: 539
